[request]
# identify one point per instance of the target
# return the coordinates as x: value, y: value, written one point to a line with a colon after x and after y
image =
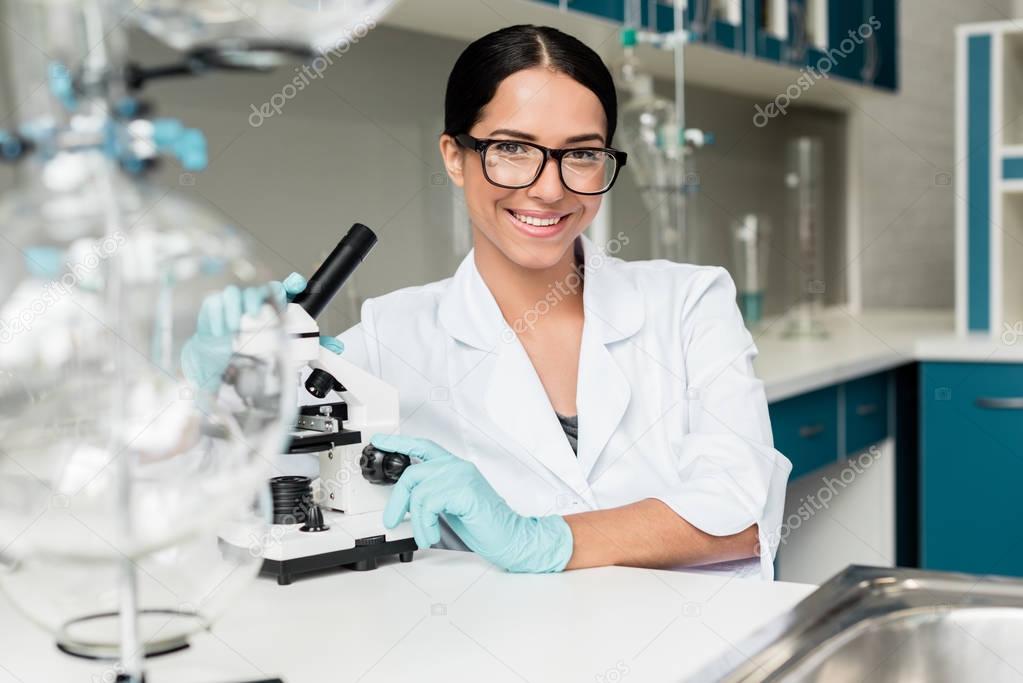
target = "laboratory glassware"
x: 662, y: 150
x: 119, y: 471
x: 803, y: 182
x: 115, y: 465
x: 239, y: 31
x: 751, y: 242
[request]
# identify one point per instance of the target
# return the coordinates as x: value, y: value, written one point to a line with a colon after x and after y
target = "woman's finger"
x: 424, y: 449
x: 398, y: 503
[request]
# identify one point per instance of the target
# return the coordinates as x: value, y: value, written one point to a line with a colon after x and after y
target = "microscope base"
x: 360, y: 558
x: 355, y: 542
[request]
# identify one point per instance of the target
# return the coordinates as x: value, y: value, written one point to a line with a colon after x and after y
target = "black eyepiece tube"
x: 331, y: 276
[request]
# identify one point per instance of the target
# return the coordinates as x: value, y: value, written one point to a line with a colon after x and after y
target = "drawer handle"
x: 810, y: 431
x: 865, y: 409
x: 1007, y: 403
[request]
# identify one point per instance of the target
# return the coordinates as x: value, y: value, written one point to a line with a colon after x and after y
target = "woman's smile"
x: 540, y: 224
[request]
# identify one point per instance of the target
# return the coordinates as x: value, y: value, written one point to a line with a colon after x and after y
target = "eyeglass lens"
x: 516, y: 165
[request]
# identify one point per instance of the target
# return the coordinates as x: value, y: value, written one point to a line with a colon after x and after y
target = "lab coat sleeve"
x: 731, y: 477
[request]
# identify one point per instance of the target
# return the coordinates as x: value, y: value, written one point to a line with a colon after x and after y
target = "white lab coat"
x: 668, y: 404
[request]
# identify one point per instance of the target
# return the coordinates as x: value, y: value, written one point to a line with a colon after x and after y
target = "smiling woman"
x: 515, y: 96
x: 622, y: 425
x: 589, y: 410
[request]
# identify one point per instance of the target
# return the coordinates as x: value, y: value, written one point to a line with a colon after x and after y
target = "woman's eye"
x: 510, y: 148
x: 584, y: 155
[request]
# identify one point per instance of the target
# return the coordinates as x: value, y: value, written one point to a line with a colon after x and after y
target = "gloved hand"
x: 445, y: 484
x: 207, y: 353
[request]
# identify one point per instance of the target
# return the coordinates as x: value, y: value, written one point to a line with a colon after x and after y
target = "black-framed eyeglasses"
x: 513, y: 164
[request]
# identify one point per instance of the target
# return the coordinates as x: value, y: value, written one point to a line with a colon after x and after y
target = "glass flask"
x: 322, y: 25
x: 115, y: 464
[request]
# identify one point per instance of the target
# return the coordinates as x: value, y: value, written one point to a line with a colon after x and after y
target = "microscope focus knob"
x: 320, y: 383
x: 382, y: 467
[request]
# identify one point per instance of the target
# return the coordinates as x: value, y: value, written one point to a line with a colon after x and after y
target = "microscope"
x: 335, y: 520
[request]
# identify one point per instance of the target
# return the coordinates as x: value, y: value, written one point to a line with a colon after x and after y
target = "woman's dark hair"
x: 489, y: 60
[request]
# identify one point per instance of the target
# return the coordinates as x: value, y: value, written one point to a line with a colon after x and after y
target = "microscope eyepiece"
x: 331, y: 276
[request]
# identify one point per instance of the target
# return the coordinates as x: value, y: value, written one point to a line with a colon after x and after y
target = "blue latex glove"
x: 45, y: 263
x: 207, y: 353
x: 445, y: 484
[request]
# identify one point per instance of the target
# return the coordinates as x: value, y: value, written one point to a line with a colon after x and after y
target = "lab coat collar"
x: 613, y: 305
x: 515, y: 398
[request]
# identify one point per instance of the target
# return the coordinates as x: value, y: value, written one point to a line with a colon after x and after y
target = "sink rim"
x: 854, y: 596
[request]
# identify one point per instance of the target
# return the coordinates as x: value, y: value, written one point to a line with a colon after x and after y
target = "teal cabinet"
x: 818, y: 428
x: 766, y: 45
x: 866, y: 411
x: 886, y: 68
x: 805, y: 429
x: 971, y: 467
x: 863, y: 39
x: 608, y: 9
x: 847, y: 55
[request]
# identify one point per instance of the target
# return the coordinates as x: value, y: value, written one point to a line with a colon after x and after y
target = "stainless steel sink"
x: 874, y: 624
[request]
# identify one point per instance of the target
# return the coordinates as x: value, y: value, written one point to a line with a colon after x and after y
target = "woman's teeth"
x: 538, y: 222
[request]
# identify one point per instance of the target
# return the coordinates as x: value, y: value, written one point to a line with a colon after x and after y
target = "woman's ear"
x: 451, y: 153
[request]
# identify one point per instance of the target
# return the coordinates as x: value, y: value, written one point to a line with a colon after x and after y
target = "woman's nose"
x: 548, y: 187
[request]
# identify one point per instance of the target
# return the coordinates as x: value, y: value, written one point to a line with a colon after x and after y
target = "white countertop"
x: 448, y: 616
x: 866, y: 343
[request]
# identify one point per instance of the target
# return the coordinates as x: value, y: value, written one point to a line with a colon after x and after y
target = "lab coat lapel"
x: 614, y: 311
x: 514, y: 398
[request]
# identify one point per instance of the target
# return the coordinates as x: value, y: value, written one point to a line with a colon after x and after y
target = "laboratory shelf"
x: 1012, y: 168
x: 719, y: 60
x: 989, y: 139
x: 1011, y: 84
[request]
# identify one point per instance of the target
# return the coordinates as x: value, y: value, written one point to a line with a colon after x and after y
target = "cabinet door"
x: 608, y: 9
x: 805, y: 430
x: 767, y: 44
x: 885, y: 14
x: 866, y: 412
x: 847, y: 55
x: 971, y: 467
